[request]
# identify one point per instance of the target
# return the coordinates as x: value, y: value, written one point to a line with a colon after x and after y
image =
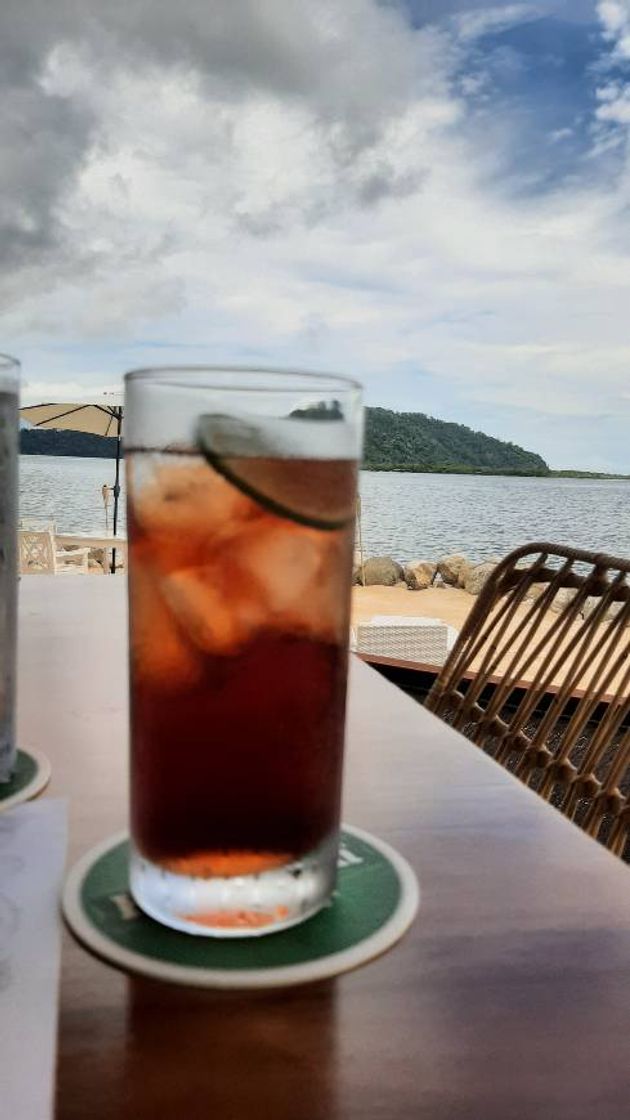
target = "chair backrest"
x: 37, y: 552
x: 540, y: 678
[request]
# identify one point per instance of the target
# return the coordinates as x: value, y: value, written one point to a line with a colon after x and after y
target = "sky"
x: 432, y: 196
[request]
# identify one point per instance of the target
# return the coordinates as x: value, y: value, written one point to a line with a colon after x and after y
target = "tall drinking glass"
x: 9, y: 385
x: 241, y: 490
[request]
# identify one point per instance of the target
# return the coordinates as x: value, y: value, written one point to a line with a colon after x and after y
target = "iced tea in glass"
x: 241, y: 505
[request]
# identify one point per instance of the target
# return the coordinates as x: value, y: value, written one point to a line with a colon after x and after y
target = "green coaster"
x: 30, y: 777
x: 375, y: 902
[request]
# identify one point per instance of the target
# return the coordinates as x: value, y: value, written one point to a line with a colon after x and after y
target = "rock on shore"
x: 419, y: 574
x: 450, y: 568
x: 454, y: 570
x: 379, y: 571
x: 477, y: 577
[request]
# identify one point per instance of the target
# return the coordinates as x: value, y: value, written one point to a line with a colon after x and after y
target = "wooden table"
x: 507, y: 1000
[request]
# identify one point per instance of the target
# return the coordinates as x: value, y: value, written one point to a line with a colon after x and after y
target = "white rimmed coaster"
x: 375, y: 903
x: 30, y: 777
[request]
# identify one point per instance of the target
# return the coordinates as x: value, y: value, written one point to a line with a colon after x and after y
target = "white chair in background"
x: 39, y: 555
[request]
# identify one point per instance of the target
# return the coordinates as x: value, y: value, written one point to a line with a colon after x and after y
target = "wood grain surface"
x: 508, y: 998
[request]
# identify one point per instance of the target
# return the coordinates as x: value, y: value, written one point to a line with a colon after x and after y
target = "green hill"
x: 411, y: 441
x: 394, y: 441
x: 42, y: 441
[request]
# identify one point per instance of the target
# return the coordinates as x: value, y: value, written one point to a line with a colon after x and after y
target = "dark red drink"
x: 239, y: 598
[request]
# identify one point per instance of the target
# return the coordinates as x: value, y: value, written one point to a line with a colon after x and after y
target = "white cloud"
x: 304, y: 184
x: 614, y: 16
x: 616, y: 109
x: 52, y: 392
x: 615, y: 19
x: 472, y: 25
x: 559, y: 134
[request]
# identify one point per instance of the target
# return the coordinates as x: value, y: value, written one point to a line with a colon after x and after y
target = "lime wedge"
x: 277, y: 463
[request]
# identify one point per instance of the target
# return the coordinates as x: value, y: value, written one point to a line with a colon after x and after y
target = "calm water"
x: 421, y: 516
x: 67, y: 491
x: 408, y: 516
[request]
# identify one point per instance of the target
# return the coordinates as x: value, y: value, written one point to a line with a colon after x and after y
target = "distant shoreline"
x: 508, y: 472
x: 67, y: 455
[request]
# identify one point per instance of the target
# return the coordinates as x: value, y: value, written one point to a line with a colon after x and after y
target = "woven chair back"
x: 540, y: 678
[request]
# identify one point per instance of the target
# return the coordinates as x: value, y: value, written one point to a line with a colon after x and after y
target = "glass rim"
x: 293, y: 380
x: 8, y: 362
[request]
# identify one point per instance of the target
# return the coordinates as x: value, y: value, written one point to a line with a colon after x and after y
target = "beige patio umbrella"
x: 99, y: 415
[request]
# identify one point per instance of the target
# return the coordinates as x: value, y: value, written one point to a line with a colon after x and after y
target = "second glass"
x: 241, y: 506
x: 9, y: 380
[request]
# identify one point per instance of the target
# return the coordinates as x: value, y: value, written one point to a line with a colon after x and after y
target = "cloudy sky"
x: 431, y: 195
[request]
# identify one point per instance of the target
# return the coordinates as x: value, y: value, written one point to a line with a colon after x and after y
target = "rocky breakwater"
x: 453, y: 570
x: 456, y: 571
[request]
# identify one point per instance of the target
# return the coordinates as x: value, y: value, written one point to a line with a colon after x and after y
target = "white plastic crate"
x: 424, y: 640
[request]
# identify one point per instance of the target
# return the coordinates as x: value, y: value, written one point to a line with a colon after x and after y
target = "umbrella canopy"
x: 97, y: 414
x: 100, y: 415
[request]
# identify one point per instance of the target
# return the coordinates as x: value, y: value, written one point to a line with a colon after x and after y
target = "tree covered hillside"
x: 46, y: 441
x: 415, y: 442
x: 407, y: 441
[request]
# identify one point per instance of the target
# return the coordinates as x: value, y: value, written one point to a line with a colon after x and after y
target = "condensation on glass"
x: 241, y: 501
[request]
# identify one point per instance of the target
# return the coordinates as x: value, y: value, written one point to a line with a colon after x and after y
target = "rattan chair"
x: 540, y: 678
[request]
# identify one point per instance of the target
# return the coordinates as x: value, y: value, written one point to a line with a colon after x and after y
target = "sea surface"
x: 68, y: 491
x: 407, y: 516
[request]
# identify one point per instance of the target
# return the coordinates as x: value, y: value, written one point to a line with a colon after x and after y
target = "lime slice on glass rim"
x: 276, y: 463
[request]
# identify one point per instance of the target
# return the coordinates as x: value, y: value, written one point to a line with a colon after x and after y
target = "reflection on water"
x: 409, y: 516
